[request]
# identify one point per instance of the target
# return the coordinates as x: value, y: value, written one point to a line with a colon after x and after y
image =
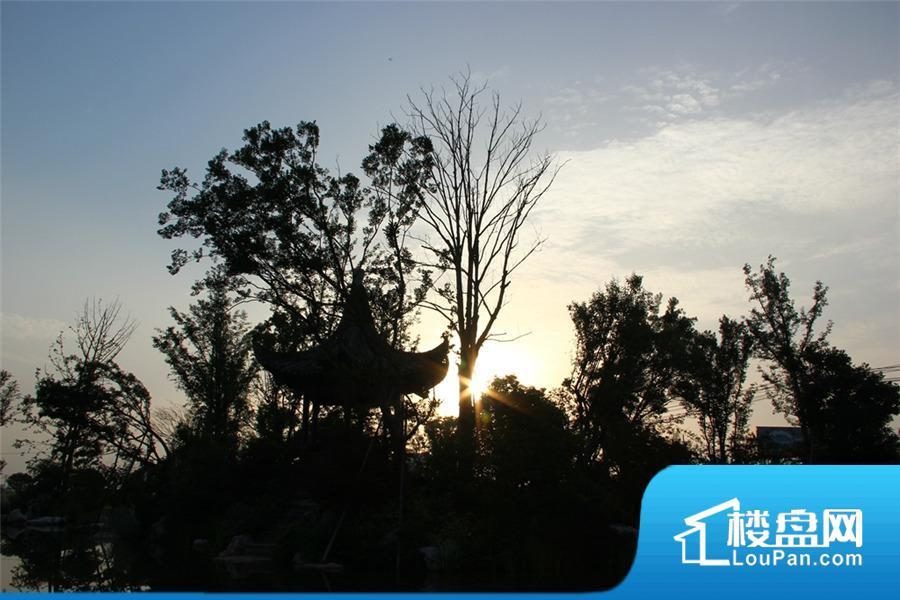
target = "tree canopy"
x: 208, y: 350
x: 96, y: 414
x: 715, y: 394
x: 288, y: 233
x: 629, y: 364
x: 843, y: 410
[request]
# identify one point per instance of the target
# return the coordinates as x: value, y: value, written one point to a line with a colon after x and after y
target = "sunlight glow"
x: 496, y: 360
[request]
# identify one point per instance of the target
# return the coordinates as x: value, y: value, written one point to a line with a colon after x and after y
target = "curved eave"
x: 418, y: 372
x: 341, y: 370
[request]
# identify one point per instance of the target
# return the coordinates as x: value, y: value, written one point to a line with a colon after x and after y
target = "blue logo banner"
x: 768, y: 531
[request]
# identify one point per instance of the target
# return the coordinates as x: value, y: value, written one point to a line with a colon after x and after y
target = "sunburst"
x: 495, y: 360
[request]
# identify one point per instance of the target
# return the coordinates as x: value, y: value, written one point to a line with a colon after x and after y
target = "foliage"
x: 524, y: 437
x: 527, y: 516
x: 96, y: 414
x: 783, y: 336
x: 850, y: 420
x: 843, y: 410
x: 287, y: 231
x: 9, y: 401
x: 631, y: 363
x: 9, y: 396
x: 208, y: 351
x: 716, y: 395
x: 276, y: 420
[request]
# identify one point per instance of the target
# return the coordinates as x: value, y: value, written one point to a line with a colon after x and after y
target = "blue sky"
x: 698, y: 136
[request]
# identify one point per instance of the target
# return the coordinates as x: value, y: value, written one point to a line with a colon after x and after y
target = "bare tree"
x: 100, y: 331
x: 484, y: 184
x: 96, y: 414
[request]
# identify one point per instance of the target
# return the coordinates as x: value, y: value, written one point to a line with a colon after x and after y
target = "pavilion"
x: 356, y: 367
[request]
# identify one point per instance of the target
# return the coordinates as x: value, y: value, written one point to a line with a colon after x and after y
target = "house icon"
x: 693, y: 540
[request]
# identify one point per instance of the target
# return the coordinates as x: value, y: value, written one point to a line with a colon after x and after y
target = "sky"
x: 695, y: 137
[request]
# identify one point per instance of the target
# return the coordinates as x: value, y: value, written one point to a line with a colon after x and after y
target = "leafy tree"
x: 528, y: 443
x: 524, y: 482
x: 481, y: 188
x: 843, y: 410
x: 398, y: 166
x: 9, y: 395
x: 716, y: 395
x: 785, y: 337
x: 9, y: 398
x: 851, y: 419
x: 208, y: 350
x: 440, y: 460
x: 631, y: 363
x: 277, y: 415
x: 287, y: 232
x: 96, y: 415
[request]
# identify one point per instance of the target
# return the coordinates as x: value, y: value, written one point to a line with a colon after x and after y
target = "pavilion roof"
x: 356, y: 365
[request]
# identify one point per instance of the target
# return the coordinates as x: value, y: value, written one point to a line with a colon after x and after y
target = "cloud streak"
x: 18, y: 327
x: 658, y: 97
x: 687, y: 205
x: 693, y: 182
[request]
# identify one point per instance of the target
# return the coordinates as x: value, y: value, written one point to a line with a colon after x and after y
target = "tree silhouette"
x: 208, y: 351
x: 716, y: 395
x: 631, y: 363
x: 843, y: 410
x: 287, y: 231
x: 850, y: 420
x: 524, y: 476
x: 96, y: 414
x: 277, y: 417
x: 482, y: 188
x: 784, y: 337
x: 528, y: 443
x: 9, y: 399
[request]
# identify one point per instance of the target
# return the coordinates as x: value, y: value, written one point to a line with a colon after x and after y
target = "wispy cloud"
x: 688, y: 204
x: 683, y: 182
x: 656, y: 97
x: 18, y: 327
x: 24, y: 342
x: 494, y: 77
x: 667, y: 95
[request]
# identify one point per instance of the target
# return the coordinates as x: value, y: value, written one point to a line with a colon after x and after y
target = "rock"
x: 237, y: 546
x: 160, y: 527
x: 46, y: 521
x: 15, y: 516
x: 330, y: 568
x: 432, y: 557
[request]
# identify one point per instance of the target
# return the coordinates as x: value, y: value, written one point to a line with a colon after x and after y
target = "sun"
x: 495, y: 360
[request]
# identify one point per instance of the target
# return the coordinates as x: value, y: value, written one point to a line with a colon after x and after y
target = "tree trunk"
x: 304, y: 424
x: 466, y: 422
